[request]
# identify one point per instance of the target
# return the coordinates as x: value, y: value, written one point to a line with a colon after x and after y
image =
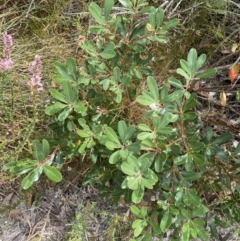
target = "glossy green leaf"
x: 112, y: 145
x: 174, y: 96
x: 112, y: 136
x: 159, y: 161
x: 184, y: 65
x: 108, y: 54
x: 108, y: 4
x: 144, y: 127
x: 185, y: 232
x: 132, y: 183
x: 198, y: 159
x: 190, y: 197
x: 126, y: 3
x: 128, y: 169
x: 63, y: 71
x: 146, y: 135
x: 84, y: 133
x: 135, y: 210
x: 192, y: 60
x: 200, y: 61
x: 96, y: 13
x: 166, y: 221
x: 207, y: 74
x: 153, y: 87
x: 52, y: 173
x: 145, y: 99
x: 45, y: 147
x: 64, y: 114
x: 71, y: 66
x: 138, y: 194
x: 114, y: 158
x: 38, y: 153
x: 26, y: 182
x: 138, y: 226
x: 183, y: 73
x: 175, y: 82
x: 179, y: 160
x: 55, y: 108
x: 159, y: 17
x: 223, y: 138
x: 57, y: 95
x: 69, y: 92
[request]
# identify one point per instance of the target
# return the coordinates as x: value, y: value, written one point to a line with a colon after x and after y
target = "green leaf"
x: 26, y: 182
x: 128, y: 169
x: 63, y: 71
x: 166, y: 221
x: 112, y: 145
x: 153, y: 87
x: 198, y: 159
x: 114, y: 158
x: 69, y: 92
x: 138, y: 226
x: 52, y: 173
x: 132, y: 183
x: 116, y: 73
x: 55, y: 108
x: 108, y: 54
x: 183, y: 73
x: 237, y: 150
x: 128, y: 133
x: 112, y: 136
x: 108, y: 4
x: 174, y: 96
x: 135, y: 210
x: 160, y: 161
x: 84, y: 133
x: 145, y: 99
x: 122, y: 127
x: 71, y: 66
x: 159, y: 17
x: 185, y: 232
x: 64, y: 114
x: 45, y: 148
x: 200, y: 61
x: 126, y: 3
x: 175, y: 82
x: 57, y: 95
x: 225, y: 137
x: 146, y: 135
x: 144, y: 127
x: 138, y: 194
x: 38, y: 151
x: 192, y: 60
x: 207, y: 74
x: 179, y: 160
x: 191, y: 198
x: 185, y: 67
x: 134, y: 147
x: 96, y: 13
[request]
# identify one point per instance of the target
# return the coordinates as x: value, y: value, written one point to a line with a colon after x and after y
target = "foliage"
x: 168, y: 149
x: 42, y: 162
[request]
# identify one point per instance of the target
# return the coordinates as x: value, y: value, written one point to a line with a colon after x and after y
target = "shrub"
x: 166, y: 148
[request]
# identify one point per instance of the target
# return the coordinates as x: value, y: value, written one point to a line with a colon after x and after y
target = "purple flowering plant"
x: 36, y: 71
x: 6, y: 62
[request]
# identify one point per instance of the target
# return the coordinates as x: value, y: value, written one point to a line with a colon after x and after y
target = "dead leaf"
x: 233, y: 72
x: 223, y: 98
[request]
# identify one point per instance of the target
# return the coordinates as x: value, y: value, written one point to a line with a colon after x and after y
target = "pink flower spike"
x: 6, y: 62
x: 36, y: 71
